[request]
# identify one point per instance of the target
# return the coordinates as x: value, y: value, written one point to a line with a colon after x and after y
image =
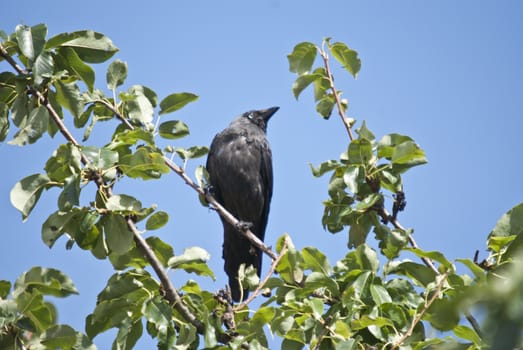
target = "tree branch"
x: 269, y: 274
x: 210, y: 199
x: 415, y: 321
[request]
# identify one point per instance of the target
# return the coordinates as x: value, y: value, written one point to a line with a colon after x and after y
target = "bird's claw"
x: 244, y: 226
x: 209, y: 189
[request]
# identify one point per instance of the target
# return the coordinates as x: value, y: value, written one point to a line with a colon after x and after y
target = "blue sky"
x: 446, y: 73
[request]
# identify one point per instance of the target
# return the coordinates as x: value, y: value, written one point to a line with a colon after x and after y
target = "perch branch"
x: 210, y: 199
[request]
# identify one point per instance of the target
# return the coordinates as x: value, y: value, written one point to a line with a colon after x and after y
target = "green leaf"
x: 45, y: 280
x: 27, y: 191
x: 76, y: 67
x: 193, y: 260
x: 302, y: 82
x: 100, y: 158
x: 380, y: 294
x: 302, y: 58
x: 387, y: 144
x: 131, y: 137
x: 193, y: 254
x: 360, y: 152
x: 143, y: 163
x: 421, y: 274
x: 434, y: 255
x: 32, y: 127
x: 354, y: 178
x: 173, y: 129
x: 54, y: 226
x: 365, y: 321
x: 129, y: 332
x: 443, y: 314
x: 192, y: 152
x: 324, y: 167
x: 479, y: 274
x: 43, y: 67
x: 65, y: 162
x: 176, y: 101
x: 348, y: 58
x: 315, y: 260
x: 118, y: 237
x: 158, y: 312
x: 325, y: 105
x: 59, y: 337
x: 138, y: 107
x: 322, y: 84
x: 70, y: 195
x: 157, y: 220
x: 365, y: 133
x: 319, y: 280
x: 31, y: 40
x: 468, y: 333
x: 4, y: 121
x: 68, y: 95
x: 5, y: 287
x: 368, y: 202
x: 123, y: 203
x: 408, y: 154
x: 90, y: 46
x: 162, y: 250
x: 116, y: 74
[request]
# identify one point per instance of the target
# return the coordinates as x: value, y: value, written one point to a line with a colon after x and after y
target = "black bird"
x: 240, y: 174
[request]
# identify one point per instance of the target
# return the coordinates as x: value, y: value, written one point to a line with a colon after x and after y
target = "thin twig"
x: 344, y: 120
x: 419, y: 317
x: 264, y: 281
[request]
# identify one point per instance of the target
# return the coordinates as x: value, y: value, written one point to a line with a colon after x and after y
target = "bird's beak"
x: 267, y: 113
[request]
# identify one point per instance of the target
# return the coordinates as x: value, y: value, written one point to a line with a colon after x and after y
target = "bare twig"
x: 261, y: 285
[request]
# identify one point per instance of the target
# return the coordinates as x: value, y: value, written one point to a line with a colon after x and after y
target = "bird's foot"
x: 209, y: 189
x: 244, y: 226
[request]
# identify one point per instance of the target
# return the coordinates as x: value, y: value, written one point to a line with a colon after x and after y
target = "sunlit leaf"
x: 348, y: 58
x: 47, y: 281
x: 117, y: 235
x: 176, y: 101
x: 90, y: 46
x: 77, y: 67
x: 27, y: 191
x: 157, y: 220
x: 116, y: 74
x: 173, y: 129
x: 302, y: 82
x: 302, y: 58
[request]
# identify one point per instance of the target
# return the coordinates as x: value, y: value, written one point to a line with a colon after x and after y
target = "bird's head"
x: 261, y: 117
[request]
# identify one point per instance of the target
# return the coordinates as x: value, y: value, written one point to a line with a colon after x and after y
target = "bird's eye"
x: 250, y: 115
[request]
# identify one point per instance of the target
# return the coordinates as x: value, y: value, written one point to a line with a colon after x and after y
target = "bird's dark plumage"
x: 240, y: 173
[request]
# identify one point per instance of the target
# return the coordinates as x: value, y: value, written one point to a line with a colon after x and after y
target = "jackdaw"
x: 240, y: 174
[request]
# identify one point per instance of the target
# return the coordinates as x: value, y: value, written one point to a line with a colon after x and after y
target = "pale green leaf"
x: 176, y: 101
x: 27, y: 191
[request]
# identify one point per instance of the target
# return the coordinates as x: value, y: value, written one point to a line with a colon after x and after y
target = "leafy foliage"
x: 366, y: 300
